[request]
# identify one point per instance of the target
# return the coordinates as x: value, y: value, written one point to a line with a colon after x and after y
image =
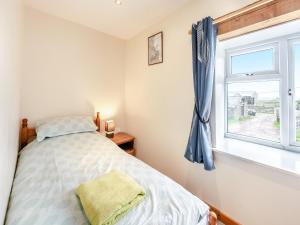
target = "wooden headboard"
x: 28, y: 133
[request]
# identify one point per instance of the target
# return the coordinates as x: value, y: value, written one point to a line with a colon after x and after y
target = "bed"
x: 48, y: 172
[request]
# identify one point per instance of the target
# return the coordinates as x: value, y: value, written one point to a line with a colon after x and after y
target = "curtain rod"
x: 248, y: 8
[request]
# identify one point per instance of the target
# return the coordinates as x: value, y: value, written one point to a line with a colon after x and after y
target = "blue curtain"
x: 204, y: 35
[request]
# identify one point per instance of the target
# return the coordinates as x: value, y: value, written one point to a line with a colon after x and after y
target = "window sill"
x: 282, y: 160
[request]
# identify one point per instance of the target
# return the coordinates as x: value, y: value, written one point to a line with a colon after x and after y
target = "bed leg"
x: 212, y: 218
x: 24, y: 134
x: 97, y: 121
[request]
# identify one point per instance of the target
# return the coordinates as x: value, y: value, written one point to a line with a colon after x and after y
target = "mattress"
x: 48, y: 173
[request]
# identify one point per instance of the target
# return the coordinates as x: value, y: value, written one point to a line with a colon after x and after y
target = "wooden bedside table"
x: 125, y: 142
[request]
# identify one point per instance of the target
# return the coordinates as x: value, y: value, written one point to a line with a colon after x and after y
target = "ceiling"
x: 123, y: 21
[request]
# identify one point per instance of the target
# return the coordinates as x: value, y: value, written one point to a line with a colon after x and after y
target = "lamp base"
x: 109, y: 134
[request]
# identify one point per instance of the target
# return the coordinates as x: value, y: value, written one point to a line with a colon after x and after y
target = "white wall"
x: 10, y: 46
x: 70, y: 69
x: 159, y: 105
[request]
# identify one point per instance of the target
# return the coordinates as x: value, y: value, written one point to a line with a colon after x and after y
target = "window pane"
x: 253, y: 109
x: 253, y: 62
x: 297, y: 88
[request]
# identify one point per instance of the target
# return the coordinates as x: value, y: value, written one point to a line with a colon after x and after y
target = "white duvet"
x: 48, y: 172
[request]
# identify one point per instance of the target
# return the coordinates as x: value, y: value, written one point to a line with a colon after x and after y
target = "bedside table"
x: 125, y: 142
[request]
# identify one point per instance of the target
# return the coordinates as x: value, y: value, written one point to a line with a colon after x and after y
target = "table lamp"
x: 109, y: 128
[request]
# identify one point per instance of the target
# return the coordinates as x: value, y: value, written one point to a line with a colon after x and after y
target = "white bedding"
x: 48, y: 172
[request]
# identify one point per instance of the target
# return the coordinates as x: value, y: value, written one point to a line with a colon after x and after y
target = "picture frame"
x: 155, y: 49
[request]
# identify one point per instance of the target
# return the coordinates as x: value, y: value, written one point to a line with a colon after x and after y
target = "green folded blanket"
x: 108, y: 198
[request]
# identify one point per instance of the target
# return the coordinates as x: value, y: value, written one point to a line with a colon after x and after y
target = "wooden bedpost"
x: 24, y: 133
x: 212, y: 218
x: 97, y: 121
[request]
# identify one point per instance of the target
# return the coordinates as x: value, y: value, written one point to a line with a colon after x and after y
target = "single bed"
x: 48, y: 172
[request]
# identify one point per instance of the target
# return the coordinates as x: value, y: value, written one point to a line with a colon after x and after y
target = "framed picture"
x: 155, y: 49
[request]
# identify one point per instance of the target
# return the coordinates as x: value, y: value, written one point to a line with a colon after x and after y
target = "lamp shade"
x: 109, y: 125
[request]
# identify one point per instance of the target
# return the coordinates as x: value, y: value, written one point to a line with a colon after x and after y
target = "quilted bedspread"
x: 49, y: 172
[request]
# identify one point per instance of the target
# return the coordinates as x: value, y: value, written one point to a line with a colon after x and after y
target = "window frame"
x: 242, y: 137
x: 283, y: 72
x: 250, y: 49
x: 292, y: 107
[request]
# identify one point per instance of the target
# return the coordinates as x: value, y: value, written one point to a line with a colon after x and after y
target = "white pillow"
x: 64, y: 125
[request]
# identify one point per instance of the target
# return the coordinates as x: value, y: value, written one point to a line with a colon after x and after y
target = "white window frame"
x: 250, y: 49
x: 283, y: 72
x: 292, y: 106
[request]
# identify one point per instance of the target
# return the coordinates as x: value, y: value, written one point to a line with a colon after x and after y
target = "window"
x: 296, y: 59
x: 262, y: 93
x: 253, y: 109
x: 253, y: 61
x: 295, y: 91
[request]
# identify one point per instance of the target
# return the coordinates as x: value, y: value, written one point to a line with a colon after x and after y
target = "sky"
x: 266, y: 90
x: 256, y: 61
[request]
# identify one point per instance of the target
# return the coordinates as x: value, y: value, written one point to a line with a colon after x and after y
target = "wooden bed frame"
x: 27, y: 134
x: 212, y: 218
